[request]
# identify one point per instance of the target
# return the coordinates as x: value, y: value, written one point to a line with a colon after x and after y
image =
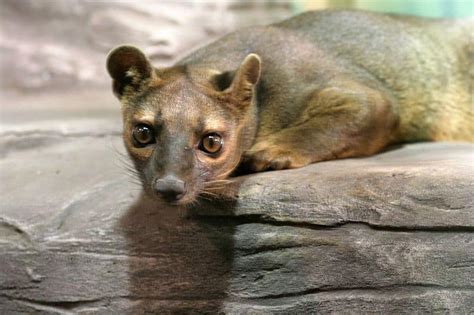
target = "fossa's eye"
x: 211, y: 143
x: 143, y: 135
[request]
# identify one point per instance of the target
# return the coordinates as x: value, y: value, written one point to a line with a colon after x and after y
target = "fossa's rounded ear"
x: 127, y: 66
x: 247, y: 76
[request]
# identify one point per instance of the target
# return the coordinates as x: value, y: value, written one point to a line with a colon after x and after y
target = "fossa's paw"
x: 263, y: 156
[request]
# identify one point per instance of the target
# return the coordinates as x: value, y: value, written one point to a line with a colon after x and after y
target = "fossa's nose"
x: 170, y: 188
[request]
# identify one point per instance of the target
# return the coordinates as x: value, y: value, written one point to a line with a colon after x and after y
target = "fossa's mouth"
x: 182, y: 200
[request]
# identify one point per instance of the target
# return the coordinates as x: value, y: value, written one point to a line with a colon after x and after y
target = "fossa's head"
x: 185, y: 128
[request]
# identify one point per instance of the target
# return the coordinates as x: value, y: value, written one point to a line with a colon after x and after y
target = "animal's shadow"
x: 180, y: 260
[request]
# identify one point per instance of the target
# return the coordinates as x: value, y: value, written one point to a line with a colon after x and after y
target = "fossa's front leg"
x: 338, y: 122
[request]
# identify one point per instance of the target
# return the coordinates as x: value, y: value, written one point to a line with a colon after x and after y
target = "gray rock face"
x: 63, y: 44
x: 392, y: 233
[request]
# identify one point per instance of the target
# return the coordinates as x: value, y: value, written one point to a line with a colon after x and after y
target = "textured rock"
x: 60, y: 44
x: 389, y: 233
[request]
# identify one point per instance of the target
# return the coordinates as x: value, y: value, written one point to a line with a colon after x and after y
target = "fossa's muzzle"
x: 170, y: 188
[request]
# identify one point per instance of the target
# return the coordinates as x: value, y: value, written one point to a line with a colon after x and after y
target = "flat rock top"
x: 388, y: 233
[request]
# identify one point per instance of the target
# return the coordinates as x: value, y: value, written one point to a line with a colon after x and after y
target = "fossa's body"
x: 323, y: 85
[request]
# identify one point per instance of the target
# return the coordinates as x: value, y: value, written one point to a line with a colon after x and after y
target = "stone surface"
x: 392, y: 233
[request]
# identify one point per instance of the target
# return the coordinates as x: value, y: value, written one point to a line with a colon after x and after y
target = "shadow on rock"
x: 178, y: 262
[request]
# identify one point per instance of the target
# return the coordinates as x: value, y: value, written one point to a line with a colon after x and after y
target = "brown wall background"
x: 48, y: 44
x: 63, y: 44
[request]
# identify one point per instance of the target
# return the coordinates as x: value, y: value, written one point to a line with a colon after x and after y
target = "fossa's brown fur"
x: 320, y: 86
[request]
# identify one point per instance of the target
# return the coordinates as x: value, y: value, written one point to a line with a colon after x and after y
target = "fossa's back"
x: 424, y: 66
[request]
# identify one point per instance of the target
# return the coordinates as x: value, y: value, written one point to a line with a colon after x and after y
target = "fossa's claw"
x: 274, y: 158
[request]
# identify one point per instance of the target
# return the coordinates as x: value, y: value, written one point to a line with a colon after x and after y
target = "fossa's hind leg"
x: 339, y: 121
